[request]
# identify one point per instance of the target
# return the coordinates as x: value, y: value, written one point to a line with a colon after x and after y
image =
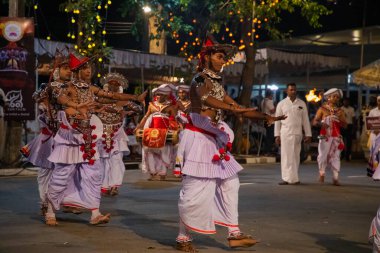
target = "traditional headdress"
x: 164, y: 89
x: 184, y: 87
x: 77, y: 60
x: 332, y: 91
x: 211, y: 45
x: 119, y: 78
x: 59, y: 60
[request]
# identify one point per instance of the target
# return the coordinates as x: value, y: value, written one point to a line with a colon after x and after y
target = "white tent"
x: 368, y: 75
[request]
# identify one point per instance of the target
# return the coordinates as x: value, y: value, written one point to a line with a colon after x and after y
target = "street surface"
x: 307, y: 218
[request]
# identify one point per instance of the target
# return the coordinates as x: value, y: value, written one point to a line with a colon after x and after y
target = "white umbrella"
x: 368, y: 75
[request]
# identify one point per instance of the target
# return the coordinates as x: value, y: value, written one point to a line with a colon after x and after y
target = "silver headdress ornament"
x: 119, y: 78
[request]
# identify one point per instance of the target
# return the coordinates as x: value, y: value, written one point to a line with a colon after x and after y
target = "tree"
x: 87, y: 27
x: 240, y: 22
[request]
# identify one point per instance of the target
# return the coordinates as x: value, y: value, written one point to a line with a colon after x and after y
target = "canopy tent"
x: 368, y: 75
x: 267, y: 60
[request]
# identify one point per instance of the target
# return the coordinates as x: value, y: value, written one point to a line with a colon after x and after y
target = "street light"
x: 147, y: 9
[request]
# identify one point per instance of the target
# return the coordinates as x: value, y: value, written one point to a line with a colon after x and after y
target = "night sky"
x: 346, y: 14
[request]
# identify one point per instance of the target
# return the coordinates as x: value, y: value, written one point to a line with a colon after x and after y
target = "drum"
x: 156, y: 137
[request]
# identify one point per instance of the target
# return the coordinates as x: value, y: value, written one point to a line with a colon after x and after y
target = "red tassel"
x: 92, y: 151
x: 104, y: 135
x: 74, y: 125
x: 215, y: 158
x: 227, y: 158
x: 82, y: 148
x: 93, y: 145
x: 85, y: 156
x: 84, y: 136
x: 222, y: 151
x: 91, y: 161
x: 93, y: 127
x: 64, y: 126
x: 341, y: 146
x: 222, y: 128
x: 112, y: 135
x: 94, y: 136
x: 229, y: 146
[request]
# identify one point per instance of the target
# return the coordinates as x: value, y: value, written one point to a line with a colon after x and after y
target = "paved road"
x: 307, y: 218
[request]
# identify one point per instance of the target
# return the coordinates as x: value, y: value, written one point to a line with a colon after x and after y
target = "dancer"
x: 158, y: 154
x: 331, y: 118
x: 183, y: 98
x: 77, y: 177
x: 114, y: 142
x: 210, y: 184
x: 41, y: 147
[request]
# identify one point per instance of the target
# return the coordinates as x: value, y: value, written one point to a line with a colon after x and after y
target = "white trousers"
x: 204, y: 202
x: 290, y: 157
x: 43, y: 179
x: 114, y: 169
x: 329, y: 156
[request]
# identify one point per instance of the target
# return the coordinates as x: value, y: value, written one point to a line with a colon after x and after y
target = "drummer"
x: 158, y: 154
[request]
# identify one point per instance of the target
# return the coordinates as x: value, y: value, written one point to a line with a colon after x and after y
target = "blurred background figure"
x: 348, y: 133
x: 267, y: 107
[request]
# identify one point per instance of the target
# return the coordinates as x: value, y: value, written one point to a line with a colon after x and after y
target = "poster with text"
x: 17, y: 67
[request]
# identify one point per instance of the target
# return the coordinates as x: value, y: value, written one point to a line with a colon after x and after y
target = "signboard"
x: 17, y: 67
x: 373, y: 123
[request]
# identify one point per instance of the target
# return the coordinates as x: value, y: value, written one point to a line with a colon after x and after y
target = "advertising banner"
x: 17, y: 67
x: 373, y: 123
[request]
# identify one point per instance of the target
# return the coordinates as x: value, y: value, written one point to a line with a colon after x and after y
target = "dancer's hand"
x: 271, y: 120
x: 278, y: 140
x: 307, y: 139
x: 86, y: 107
x: 141, y: 97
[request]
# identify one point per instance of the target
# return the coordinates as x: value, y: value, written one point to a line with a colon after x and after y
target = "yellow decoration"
x: 109, y: 2
x: 99, y: 75
x: 227, y: 29
x: 104, y: 32
x: 99, y: 7
x: 72, y: 20
x: 73, y: 36
x: 100, y: 59
x: 48, y: 37
x: 35, y: 6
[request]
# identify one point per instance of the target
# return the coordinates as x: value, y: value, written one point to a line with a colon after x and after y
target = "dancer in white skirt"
x: 77, y: 176
x: 331, y: 118
x: 114, y: 142
x: 210, y: 185
x: 41, y: 147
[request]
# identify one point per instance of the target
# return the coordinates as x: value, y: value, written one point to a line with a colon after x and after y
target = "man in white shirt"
x: 267, y: 107
x: 348, y: 133
x: 3, y: 101
x: 288, y: 133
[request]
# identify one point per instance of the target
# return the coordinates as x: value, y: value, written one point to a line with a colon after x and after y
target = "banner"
x: 17, y: 67
x: 372, y: 123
